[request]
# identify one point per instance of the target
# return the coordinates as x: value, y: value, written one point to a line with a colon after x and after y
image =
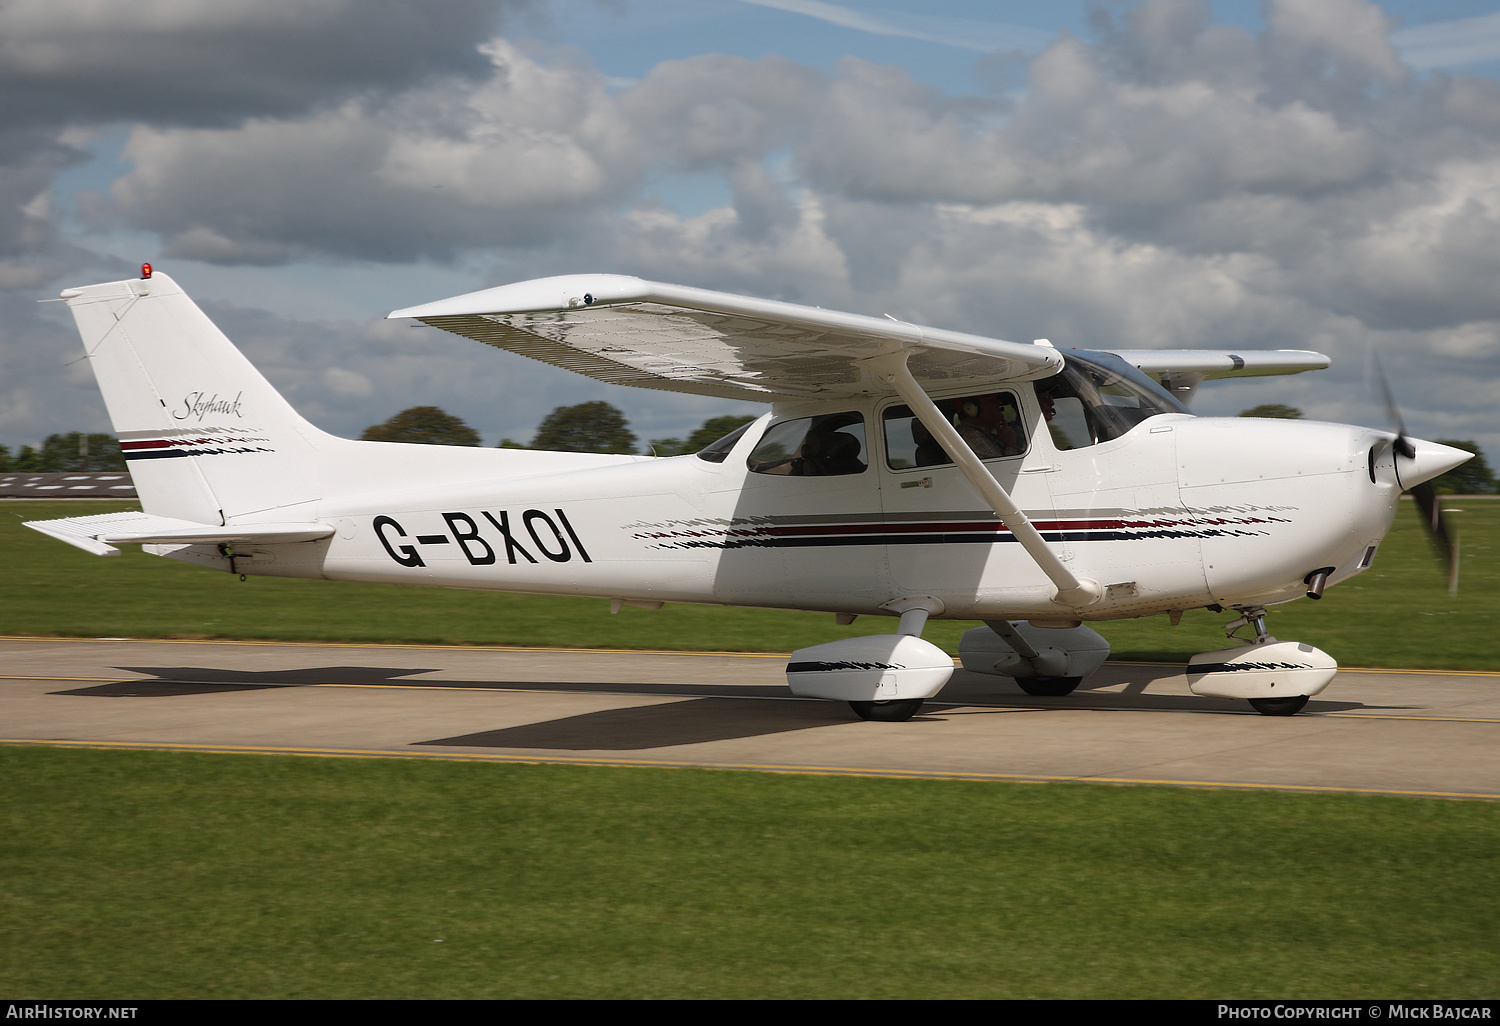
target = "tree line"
x: 72, y: 452
x: 587, y: 427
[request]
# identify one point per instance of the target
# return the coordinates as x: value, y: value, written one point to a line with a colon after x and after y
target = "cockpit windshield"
x: 1097, y: 397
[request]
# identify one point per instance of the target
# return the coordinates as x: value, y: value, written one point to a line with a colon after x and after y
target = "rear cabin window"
x: 990, y: 422
x: 832, y: 445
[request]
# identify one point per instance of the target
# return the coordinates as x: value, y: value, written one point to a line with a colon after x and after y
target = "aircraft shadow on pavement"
x: 981, y: 691
x: 172, y: 681
x: 1108, y: 701
x: 660, y: 725
x: 197, y: 680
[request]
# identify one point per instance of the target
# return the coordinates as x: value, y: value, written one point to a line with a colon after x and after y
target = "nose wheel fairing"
x: 1264, y: 669
x: 1276, y: 677
x: 876, y: 668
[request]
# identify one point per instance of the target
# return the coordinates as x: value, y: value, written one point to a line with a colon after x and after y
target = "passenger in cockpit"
x: 982, y: 424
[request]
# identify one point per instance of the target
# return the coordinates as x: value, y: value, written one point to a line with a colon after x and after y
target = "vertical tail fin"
x: 206, y: 436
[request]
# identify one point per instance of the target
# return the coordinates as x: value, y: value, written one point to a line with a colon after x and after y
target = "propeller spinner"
x: 1417, y: 463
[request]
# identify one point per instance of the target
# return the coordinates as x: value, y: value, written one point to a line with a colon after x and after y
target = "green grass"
x: 140, y: 875
x: 1396, y: 614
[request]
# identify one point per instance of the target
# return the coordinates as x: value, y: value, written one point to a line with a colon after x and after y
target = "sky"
x: 1287, y: 174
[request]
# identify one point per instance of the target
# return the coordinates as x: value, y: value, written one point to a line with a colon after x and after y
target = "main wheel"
x: 887, y: 712
x: 1048, y: 686
x: 1279, y: 706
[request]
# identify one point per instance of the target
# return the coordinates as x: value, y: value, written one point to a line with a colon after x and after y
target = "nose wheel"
x: 1050, y: 687
x: 1279, y: 706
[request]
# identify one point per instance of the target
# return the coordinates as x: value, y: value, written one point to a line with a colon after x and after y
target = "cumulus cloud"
x: 533, y: 152
x: 216, y: 61
x: 44, y: 382
x: 1450, y: 44
x: 66, y: 63
x: 29, y: 160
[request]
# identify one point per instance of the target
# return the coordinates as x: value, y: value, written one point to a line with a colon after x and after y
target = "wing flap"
x: 102, y: 534
x: 651, y: 335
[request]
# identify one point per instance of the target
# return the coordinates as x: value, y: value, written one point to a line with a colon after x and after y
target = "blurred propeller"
x: 1444, y: 545
x: 1403, y: 444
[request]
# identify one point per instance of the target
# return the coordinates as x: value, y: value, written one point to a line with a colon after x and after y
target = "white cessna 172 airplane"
x: 902, y: 470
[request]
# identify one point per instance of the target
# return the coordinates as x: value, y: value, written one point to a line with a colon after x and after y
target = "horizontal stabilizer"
x: 629, y: 331
x: 100, y: 534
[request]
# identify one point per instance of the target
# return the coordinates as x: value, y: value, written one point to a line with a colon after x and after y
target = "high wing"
x: 1182, y: 370
x: 629, y: 331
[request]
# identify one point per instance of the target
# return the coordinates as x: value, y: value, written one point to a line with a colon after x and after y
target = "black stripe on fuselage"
x: 986, y: 538
x: 154, y: 454
x: 167, y: 454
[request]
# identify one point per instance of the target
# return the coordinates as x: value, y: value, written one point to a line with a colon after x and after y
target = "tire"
x: 1279, y: 706
x: 1051, y: 687
x: 887, y: 712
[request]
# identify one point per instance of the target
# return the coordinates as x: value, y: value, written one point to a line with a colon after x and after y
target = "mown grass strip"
x: 813, y: 770
x: 159, y: 875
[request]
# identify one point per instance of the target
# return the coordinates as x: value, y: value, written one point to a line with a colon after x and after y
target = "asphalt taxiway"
x: 1377, y: 731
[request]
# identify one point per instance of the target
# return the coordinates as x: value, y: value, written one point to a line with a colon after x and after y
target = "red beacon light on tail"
x: 145, y: 270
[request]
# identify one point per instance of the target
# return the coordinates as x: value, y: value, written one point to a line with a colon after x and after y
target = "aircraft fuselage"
x: 1180, y: 512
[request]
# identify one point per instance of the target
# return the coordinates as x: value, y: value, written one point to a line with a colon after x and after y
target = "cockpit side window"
x: 989, y: 422
x: 831, y: 445
x: 1097, y: 398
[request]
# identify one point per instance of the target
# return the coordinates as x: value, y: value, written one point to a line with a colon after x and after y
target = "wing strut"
x: 1071, y: 591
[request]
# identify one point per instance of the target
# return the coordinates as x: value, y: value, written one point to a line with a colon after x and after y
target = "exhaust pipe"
x: 1316, y: 581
